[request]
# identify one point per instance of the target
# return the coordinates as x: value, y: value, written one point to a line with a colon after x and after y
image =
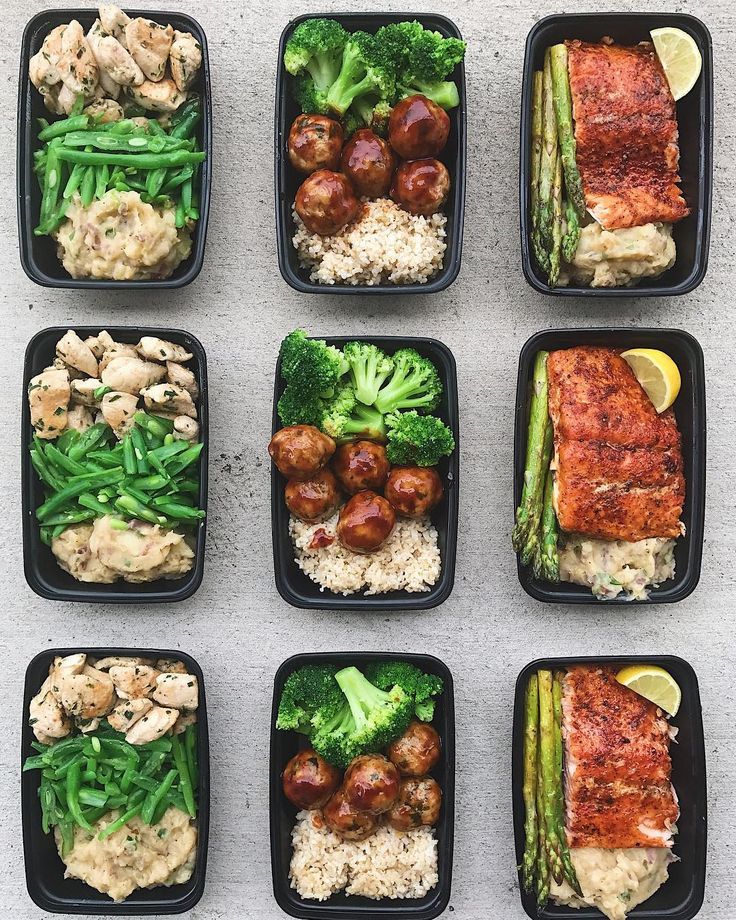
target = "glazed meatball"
x: 346, y: 821
x: 313, y: 499
x: 361, y: 465
x: 326, y: 202
x: 371, y: 783
x: 299, y: 451
x: 418, y: 804
x: 413, y: 490
x: 369, y: 163
x: 421, y: 187
x: 416, y: 751
x: 418, y: 128
x: 365, y: 522
x: 315, y: 142
x: 309, y: 781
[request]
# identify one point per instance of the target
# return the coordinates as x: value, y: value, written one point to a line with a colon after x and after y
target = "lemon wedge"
x: 657, y: 373
x: 654, y: 684
x: 680, y: 57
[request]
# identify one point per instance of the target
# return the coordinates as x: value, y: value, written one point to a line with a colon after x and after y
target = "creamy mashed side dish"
x: 612, y: 567
x: 121, y: 237
x: 138, y: 855
x: 614, y: 881
x: 105, y: 551
x: 620, y: 258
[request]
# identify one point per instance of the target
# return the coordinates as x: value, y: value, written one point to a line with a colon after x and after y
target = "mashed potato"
x: 136, y: 856
x: 122, y: 238
x: 621, y: 258
x: 614, y: 881
x: 610, y: 567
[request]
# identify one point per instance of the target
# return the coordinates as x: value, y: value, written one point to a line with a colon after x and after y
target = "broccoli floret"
x: 310, y: 365
x: 369, y: 367
x: 295, y: 407
x: 316, y: 46
x: 417, y: 440
x: 379, y: 715
x: 310, y: 100
x: 334, y: 736
x: 345, y: 419
x: 425, y: 60
x: 370, y: 112
x: 412, y: 680
x: 367, y: 69
x: 414, y: 384
x: 309, y: 693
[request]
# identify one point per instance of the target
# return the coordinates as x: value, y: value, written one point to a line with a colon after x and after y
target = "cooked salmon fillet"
x: 626, y: 134
x: 618, y: 789
x: 619, y: 471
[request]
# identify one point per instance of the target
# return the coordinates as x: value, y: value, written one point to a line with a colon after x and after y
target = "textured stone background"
x: 237, y: 626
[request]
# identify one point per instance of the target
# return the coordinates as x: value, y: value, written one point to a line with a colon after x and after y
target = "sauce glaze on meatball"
x: 421, y: 187
x: 413, y: 490
x: 309, y: 781
x: 361, y: 465
x: 315, y: 498
x: 418, y: 804
x: 371, y: 783
x: 326, y: 202
x: 365, y: 522
x: 418, y: 128
x: 369, y: 163
x: 315, y: 142
x: 417, y: 750
x: 299, y: 451
x: 345, y: 820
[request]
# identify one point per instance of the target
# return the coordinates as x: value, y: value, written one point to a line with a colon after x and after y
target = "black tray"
x: 695, y: 119
x: 43, y: 573
x: 681, y: 897
x: 690, y: 412
x: 38, y: 253
x: 284, y: 745
x: 44, y: 869
x: 288, y: 181
x: 296, y: 587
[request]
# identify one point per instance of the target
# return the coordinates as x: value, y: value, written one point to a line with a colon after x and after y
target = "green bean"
x: 88, y: 500
x: 190, y: 744
x: 141, y: 451
x: 185, y: 780
x: 145, y: 782
x: 44, y: 473
x: 186, y: 196
x: 59, y: 128
x: 70, y: 517
x: 153, y: 423
x: 87, y: 189
x: 74, y: 181
x: 169, y: 451
x: 178, y: 511
x: 102, y: 178
x: 66, y: 829
x: 120, y: 822
x: 129, y: 462
x: 150, y: 483
x: 180, y: 215
x: 160, y: 469
x: 191, y: 115
x: 66, y: 439
x: 89, y: 796
x: 88, y: 440
x: 73, y: 489
x: 51, y: 187
x: 129, y: 505
x: 73, y: 784
x: 133, y: 142
x: 153, y: 799
x: 65, y: 463
x: 188, y: 485
x: 78, y: 105
x: 137, y: 161
x: 154, y: 763
x: 186, y: 172
x: 189, y: 456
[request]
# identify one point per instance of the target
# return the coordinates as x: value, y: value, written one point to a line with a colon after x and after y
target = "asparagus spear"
x: 531, y: 552
x: 549, y: 153
x: 533, y: 474
x: 563, y: 112
x: 567, y: 866
x: 555, y: 255
x: 542, y: 873
x: 572, y: 235
x: 531, y: 727
x: 540, y: 254
x: 550, y: 560
x: 552, y: 777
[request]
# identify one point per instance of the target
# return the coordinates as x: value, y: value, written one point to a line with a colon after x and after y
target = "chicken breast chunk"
x: 126, y: 714
x: 43, y: 68
x: 177, y: 690
x: 48, y: 397
x: 185, y: 428
x: 86, y: 695
x: 163, y: 96
x: 133, y: 681
x: 154, y: 349
x: 154, y: 724
x: 73, y: 351
x: 116, y: 350
x: 104, y: 664
x: 131, y: 375
x: 79, y: 418
x: 113, y: 20
x: 168, y: 397
x: 47, y: 717
x: 77, y: 65
x: 83, y: 391
x: 117, y: 63
x: 185, y: 59
x: 105, y: 110
x: 149, y: 43
x: 182, y: 377
x: 118, y: 410
x: 184, y: 721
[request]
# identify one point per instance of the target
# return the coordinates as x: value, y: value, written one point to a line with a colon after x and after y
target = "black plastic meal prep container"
x: 285, y: 744
x: 38, y: 253
x: 689, y: 409
x: 44, y: 869
x: 681, y: 896
x: 43, y: 573
x: 288, y: 180
x: 296, y: 587
x: 695, y: 121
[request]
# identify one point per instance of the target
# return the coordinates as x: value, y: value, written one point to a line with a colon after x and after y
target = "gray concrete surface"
x: 237, y: 626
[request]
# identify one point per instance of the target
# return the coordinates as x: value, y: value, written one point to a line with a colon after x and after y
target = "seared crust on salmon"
x: 626, y: 134
x: 618, y: 789
x: 619, y: 464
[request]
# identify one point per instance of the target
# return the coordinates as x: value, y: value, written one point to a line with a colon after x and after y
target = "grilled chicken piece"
x: 163, y: 96
x: 47, y: 718
x: 185, y: 59
x: 618, y: 791
x: 118, y: 410
x: 149, y: 43
x: 77, y: 65
x: 619, y: 469
x: 79, y: 418
x: 182, y: 377
x: 626, y: 134
x: 113, y: 20
x: 126, y: 714
x: 177, y: 690
x: 154, y: 724
x: 154, y: 349
x: 133, y: 681
x: 117, y: 62
x: 43, y: 67
x: 48, y: 397
x: 131, y: 375
x: 73, y: 351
